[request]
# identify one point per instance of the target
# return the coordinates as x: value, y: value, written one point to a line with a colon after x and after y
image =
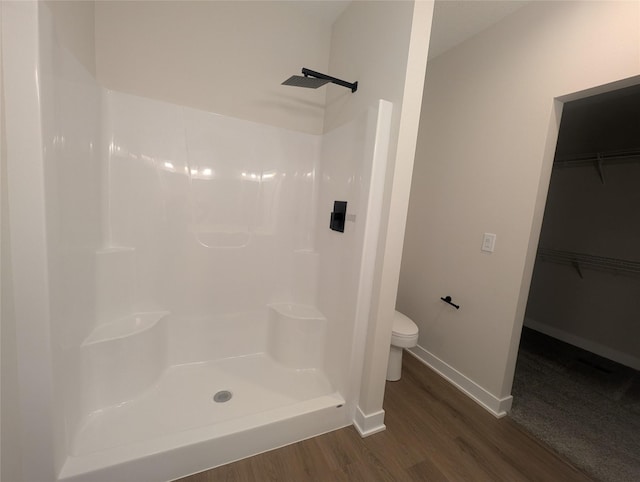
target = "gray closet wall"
x: 594, y: 211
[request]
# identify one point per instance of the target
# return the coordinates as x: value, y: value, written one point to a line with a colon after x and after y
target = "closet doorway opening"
x: 577, y: 379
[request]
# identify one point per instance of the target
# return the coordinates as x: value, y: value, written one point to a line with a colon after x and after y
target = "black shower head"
x: 308, y: 82
x: 313, y: 80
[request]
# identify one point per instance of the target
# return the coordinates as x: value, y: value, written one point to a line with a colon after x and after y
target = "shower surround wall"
x: 224, y: 203
x: 208, y: 223
x: 186, y: 253
x: 209, y: 283
x: 207, y: 279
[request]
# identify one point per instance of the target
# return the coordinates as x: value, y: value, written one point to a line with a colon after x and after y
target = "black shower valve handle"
x: 447, y: 299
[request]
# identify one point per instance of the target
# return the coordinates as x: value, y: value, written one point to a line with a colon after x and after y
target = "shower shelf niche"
x: 127, y: 326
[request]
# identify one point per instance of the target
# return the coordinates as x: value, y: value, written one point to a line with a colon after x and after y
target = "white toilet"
x: 404, y: 335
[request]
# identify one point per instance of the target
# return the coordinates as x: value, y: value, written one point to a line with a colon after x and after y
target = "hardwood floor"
x: 434, y: 433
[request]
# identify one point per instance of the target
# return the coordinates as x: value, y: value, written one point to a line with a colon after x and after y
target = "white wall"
x: 28, y: 253
x: 487, y: 136
x: 54, y: 228
x: 10, y: 455
x: 70, y: 106
x: 76, y: 30
x: 225, y: 57
x: 383, y: 46
x: 71, y: 43
x: 352, y: 169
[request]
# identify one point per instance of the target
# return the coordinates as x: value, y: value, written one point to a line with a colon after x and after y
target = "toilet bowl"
x: 404, y: 335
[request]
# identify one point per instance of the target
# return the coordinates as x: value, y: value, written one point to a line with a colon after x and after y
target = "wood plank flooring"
x: 434, y: 433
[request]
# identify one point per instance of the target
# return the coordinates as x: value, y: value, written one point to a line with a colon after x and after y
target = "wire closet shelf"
x: 599, y: 160
x: 582, y: 261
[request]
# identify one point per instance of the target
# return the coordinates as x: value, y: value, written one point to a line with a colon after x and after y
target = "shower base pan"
x: 177, y: 428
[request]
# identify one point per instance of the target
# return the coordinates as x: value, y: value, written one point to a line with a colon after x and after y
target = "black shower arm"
x: 349, y: 85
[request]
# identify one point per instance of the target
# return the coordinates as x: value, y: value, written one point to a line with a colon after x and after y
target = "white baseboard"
x: 589, y: 345
x: 498, y: 407
x: 369, y: 424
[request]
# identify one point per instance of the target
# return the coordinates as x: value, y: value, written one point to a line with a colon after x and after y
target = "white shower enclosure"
x: 180, y: 299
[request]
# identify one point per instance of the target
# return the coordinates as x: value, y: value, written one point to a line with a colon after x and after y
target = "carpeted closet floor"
x: 584, y: 406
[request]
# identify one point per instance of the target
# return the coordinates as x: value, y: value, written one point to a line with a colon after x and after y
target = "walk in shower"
x: 194, y: 304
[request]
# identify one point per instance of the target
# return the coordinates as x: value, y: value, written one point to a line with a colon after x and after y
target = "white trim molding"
x: 589, y: 345
x: 369, y: 424
x: 498, y: 407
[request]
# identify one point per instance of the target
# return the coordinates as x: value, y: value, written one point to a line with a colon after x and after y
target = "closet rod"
x: 619, y: 156
x: 588, y: 261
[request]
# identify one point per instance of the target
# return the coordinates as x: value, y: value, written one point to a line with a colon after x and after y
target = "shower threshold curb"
x: 179, y: 454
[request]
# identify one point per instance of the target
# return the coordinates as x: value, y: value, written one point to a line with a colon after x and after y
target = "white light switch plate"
x: 488, y: 242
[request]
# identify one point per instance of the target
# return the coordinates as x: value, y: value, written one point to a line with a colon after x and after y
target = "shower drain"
x: 222, y: 396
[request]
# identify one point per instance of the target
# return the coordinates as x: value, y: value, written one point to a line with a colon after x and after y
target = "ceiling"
x: 455, y: 21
